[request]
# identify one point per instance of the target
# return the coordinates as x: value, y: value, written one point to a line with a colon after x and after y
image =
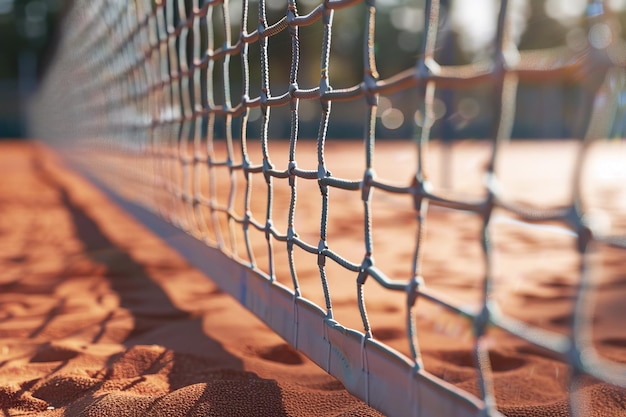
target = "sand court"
x: 100, y: 317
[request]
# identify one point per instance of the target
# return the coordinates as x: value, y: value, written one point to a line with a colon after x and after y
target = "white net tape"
x: 147, y: 97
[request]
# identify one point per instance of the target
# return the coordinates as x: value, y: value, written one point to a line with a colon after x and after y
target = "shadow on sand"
x: 212, y: 383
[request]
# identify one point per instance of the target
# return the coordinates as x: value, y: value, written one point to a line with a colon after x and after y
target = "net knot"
x: 293, y: 87
x: 264, y: 96
x: 322, y: 174
x: 267, y: 167
x: 324, y: 88
x: 367, y: 263
x: 426, y: 68
x: 481, y: 321
x: 291, y: 235
x: 369, y: 86
x: 327, y: 13
x: 575, y: 356
x: 321, y: 258
x: 291, y: 170
x: 412, y: 289
x: 420, y: 189
x: 492, y: 184
x: 292, y: 12
x: 583, y: 231
x: 268, y: 228
x: 368, y: 179
x: 246, y: 220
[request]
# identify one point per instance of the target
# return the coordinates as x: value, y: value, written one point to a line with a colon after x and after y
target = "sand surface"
x: 98, y: 317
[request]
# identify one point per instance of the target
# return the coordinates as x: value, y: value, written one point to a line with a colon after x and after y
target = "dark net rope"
x: 141, y: 84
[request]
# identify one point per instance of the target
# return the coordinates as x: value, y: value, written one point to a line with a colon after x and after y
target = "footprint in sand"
x: 50, y: 352
x: 281, y: 353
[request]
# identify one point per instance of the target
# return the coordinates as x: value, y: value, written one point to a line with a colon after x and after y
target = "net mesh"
x: 158, y: 99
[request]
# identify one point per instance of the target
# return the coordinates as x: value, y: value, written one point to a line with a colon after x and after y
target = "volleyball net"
x: 174, y: 108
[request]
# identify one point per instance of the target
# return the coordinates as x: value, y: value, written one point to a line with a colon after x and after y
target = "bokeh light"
x: 392, y: 118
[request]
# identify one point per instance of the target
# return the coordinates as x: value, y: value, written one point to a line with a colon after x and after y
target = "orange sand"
x: 98, y: 317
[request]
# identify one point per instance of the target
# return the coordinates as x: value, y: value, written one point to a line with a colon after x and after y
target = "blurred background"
x: 29, y: 30
x: 27, y: 34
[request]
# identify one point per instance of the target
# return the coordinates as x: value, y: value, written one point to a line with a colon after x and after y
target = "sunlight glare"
x: 565, y: 10
x: 475, y: 22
